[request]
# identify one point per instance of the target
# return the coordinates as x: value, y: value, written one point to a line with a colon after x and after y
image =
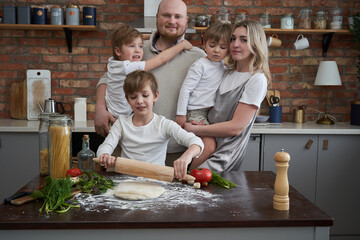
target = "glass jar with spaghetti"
x: 60, y: 154
x: 43, y: 143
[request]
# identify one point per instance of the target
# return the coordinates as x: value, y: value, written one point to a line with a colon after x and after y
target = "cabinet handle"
x: 326, y: 145
x: 309, y: 143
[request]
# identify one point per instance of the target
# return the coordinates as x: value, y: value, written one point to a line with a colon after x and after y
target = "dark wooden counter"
x: 248, y: 205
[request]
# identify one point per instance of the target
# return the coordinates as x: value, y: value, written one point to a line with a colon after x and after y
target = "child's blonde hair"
x: 256, y: 41
x: 218, y: 31
x: 138, y: 80
x: 123, y: 34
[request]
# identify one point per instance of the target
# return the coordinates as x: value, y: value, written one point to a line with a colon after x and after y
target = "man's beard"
x: 171, y: 37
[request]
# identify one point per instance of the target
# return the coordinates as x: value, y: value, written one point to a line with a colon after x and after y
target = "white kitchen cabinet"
x: 303, y: 159
x: 337, y: 185
x: 19, y: 161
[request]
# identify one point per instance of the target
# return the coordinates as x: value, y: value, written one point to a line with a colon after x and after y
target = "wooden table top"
x: 247, y: 205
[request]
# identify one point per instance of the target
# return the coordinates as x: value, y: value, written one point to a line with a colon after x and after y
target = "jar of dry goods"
x: 320, y: 20
x: 241, y: 16
x: 336, y: 19
x: 72, y: 14
x: 287, y: 21
x: 305, y: 18
x: 223, y: 15
x: 265, y: 20
x: 60, y: 154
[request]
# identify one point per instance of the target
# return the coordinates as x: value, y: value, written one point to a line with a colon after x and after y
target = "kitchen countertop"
x: 12, y: 125
x: 249, y: 205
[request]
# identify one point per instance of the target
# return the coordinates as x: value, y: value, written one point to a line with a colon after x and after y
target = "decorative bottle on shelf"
x: 86, y: 155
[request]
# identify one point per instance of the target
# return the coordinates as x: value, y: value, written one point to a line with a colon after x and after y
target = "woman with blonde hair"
x: 238, y: 99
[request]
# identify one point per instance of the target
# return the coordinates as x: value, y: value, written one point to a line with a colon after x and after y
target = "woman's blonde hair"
x: 257, y: 45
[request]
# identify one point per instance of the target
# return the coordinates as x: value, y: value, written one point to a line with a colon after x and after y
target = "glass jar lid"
x: 265, y: 14
x: 287, y: 15
x: 60, y: 118
x: 72, y: 5
x: 222, y: 11
x: 241, y: 13
x: 306, y: 10
x: 200, y: 17
x: 320, y: 13
x: 46, y: 116
x: 336, y: 11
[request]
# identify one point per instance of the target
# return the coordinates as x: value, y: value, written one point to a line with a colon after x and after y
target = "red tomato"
x: 73, y: 172
x: 201, y: 175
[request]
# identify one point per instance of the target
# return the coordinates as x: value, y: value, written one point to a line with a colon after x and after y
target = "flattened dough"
x: 138, y: 190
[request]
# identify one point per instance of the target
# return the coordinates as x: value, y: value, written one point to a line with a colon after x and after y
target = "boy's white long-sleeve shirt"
x: 200, y: 85
x: 146, y: 143
x: 115, y: 97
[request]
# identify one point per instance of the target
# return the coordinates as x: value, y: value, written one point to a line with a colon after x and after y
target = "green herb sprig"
x: 91, y: 182
x: 54, y: 195
x: 216, y: 178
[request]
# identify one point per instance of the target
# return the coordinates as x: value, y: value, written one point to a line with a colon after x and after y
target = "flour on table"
x: 176, y: 195
x: 138, y: 190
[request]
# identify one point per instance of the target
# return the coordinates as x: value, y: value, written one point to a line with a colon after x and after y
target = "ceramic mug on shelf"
x: 301, y: 42
x: 274, y: 41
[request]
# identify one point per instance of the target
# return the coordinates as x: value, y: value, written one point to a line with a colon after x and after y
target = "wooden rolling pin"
x: 144, y: 169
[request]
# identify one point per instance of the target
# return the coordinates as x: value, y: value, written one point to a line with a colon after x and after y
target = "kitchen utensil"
x: 38, y: 89
x: 18, y: 100
x: 18, y: 198
x: 25, y: 197
x: 40, y: 107
x: 51, y: 106
x: 274, y: 100
x: 277, y: 94
x: 145, y: 169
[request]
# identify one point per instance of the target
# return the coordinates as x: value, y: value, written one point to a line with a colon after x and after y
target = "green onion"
x: 216, y: 178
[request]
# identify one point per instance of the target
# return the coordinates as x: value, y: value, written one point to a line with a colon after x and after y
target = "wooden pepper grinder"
x: 281, y: 187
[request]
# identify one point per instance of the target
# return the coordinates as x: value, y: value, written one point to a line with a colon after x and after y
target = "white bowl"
x: 261, y: 118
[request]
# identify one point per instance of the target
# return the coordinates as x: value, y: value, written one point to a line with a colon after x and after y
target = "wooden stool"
x: 281, y: 187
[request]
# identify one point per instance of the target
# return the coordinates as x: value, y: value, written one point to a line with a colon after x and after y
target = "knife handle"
x: 16, y: 196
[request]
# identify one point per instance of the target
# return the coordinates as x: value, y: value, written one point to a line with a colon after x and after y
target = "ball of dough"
x: 138, y: 190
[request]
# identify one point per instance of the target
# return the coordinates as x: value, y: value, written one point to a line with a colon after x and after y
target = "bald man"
x: 171, y: 23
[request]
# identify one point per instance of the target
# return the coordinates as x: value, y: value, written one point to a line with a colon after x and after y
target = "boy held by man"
x: 197, y: 94
x: 127, y: 57
x: 144, y: 135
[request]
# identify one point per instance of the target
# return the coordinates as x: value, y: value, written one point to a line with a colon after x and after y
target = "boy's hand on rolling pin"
x: 180, y: 167
x: 107, y: 160
x: 186, y: 44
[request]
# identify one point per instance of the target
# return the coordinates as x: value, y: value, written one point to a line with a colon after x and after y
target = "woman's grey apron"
x: 230, y: 151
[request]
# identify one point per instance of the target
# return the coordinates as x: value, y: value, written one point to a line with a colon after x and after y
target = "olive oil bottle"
x: 86, y: 155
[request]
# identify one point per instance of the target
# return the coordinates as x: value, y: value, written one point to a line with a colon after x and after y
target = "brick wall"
x: 76, y: 74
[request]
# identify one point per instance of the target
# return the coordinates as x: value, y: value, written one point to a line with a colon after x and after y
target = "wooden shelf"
x: 327, y: 34
x: 306, y: 31
x: 66, y: 28
x: 48, y: 27
x: 294, y: 31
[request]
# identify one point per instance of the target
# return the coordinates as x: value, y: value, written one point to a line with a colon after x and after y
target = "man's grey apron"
x: 230, y: 151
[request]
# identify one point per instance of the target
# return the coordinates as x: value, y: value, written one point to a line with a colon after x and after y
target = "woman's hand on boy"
x: 107, y: 160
